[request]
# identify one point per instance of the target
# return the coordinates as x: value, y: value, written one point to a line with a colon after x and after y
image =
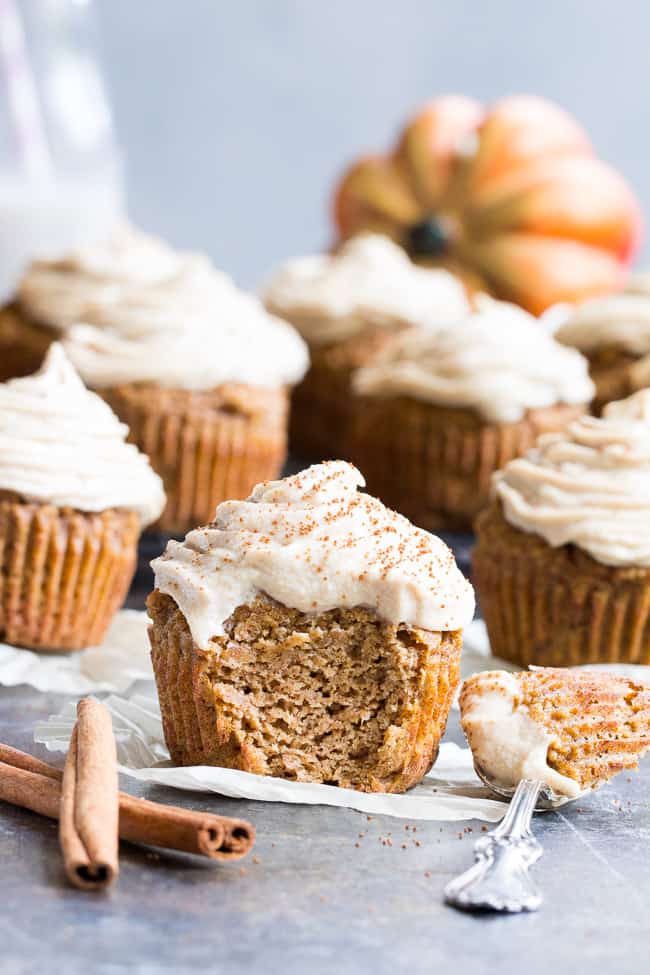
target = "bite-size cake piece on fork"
x: 571, y: 729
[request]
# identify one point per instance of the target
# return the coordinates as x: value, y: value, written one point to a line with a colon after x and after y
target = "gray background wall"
x: 236, y: 115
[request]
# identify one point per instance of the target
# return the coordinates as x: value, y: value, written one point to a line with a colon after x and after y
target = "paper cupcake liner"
x: 320, y: 414
x: 208, y: 447
x: 23, y: 344
x: 557, y: 607
x: 197, y: 733
x: 322, y: 405
x: 63, y: 573
x: 435, y: 464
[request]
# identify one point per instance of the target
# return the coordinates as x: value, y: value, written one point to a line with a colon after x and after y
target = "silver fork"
x: 499, y: 879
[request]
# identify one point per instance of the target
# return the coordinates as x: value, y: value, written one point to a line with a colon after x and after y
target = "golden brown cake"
x: 339, y: 697
x: 73, y: 499
x: 207, y: 445
x: 23, y: 343
x: 562, y: 557
x: 311, y: 634
x: 347, y: 306
x: 613, y: 332
x: 435, y: 415
x: 572, y: 730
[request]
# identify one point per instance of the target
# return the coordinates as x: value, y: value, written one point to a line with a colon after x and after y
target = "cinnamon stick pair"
x: 90, y: 810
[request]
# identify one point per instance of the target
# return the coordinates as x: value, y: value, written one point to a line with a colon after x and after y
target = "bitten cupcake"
x: 347, y: 306
x: 198, y: 370
x: 309, y: 633
x: 562, y: 560
x: 437, y: 413
x: 73, y: 499
x: 613, y: 332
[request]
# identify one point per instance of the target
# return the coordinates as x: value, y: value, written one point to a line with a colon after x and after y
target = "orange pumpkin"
x: 511, y: 197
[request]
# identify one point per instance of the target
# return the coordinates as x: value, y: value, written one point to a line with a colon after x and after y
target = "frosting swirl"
x: 620, y: 320
x: 588, y: 486
x: 330, y: 297
x: 251, y: 348
x: 150, y: 313
x: 314, y: 542
x: 498, y: 361
x: 63, y: 445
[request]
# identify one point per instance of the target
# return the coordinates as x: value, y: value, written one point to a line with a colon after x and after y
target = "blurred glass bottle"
x: 60, y: 170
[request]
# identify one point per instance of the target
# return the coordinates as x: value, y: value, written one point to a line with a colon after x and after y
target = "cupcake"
x: 309, y: 633
x: 198, y: 370
x: 562, y: 560
x: 613, y: 332
x: 74, y: 497
x: 347, y: 306
x: 119, y: 271
x: 571, y: 730
x: 437, y: 413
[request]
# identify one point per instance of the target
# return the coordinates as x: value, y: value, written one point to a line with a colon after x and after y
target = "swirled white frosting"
x: 588, y: 486
x: 153, y: 314
x: 314, y: 543
x: 620, y: 321
x: 251, y: 348
x: 370, y: 280
x: 506, y: 743
x: 63, y: 445
x: 498, y: 361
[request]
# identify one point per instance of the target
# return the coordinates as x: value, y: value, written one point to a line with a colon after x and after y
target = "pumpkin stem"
x: 432, y: 237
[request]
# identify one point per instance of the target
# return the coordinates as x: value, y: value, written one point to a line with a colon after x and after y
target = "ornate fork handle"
x: 499, y: 880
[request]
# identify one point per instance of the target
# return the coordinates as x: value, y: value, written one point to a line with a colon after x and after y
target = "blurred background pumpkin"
x: 512, y: 197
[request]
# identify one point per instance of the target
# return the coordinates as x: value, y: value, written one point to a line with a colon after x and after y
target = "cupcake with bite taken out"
x: 437, y: 413
x: 74, y: 497
x: 309, y: 633
x: 347, y: 305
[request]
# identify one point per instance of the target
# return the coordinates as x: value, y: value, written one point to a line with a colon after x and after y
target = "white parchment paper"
x: 450, y: 792
x: 122, y: 659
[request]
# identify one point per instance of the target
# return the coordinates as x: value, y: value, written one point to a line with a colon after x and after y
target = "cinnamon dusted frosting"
x: 506, y: 743
x: 330, y: 297
x: 620, y: 321
x: 498, y: 361
x: 314, y: 543
x: 63, y: 445
x: 588, y: 486
x: 131, y: 309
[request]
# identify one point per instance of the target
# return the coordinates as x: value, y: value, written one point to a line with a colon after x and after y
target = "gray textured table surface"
x: 319, y: 898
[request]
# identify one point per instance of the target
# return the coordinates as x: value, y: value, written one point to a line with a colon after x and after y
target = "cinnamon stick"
x: 33, y: 784
x: 88, y: 818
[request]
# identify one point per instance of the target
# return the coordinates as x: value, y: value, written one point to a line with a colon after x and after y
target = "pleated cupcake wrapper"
x: 203, y: 459
x: 429, y: 464
x: 191, y: 716
x: 323, y: 405
x: 63, y: 574
x: 320, y: 414
x: 536, y: 613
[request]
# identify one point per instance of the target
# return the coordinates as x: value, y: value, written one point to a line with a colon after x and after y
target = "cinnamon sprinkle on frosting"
x: 314, y: 543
